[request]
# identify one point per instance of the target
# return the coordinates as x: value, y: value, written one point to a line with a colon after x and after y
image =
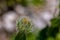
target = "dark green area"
x: 20, y: 36
x: 39, y: 2
x: 50, y: 33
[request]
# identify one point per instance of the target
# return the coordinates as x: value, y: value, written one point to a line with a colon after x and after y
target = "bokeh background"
x: 29, y: 19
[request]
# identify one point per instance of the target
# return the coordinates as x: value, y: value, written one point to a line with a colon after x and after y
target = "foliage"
x: 39, y: 2
x: 25, y: 2
x: 52, y: 32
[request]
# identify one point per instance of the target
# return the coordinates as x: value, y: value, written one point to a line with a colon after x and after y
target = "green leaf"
x: 10, y: 2
x: 55, y: 22
x: 43, y: 34
x: 50, y: 38
x: 20, y: 36
x: 58, y: 36
x: 39, y: 2
x: 31, y: 36
x: 24, y: 3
